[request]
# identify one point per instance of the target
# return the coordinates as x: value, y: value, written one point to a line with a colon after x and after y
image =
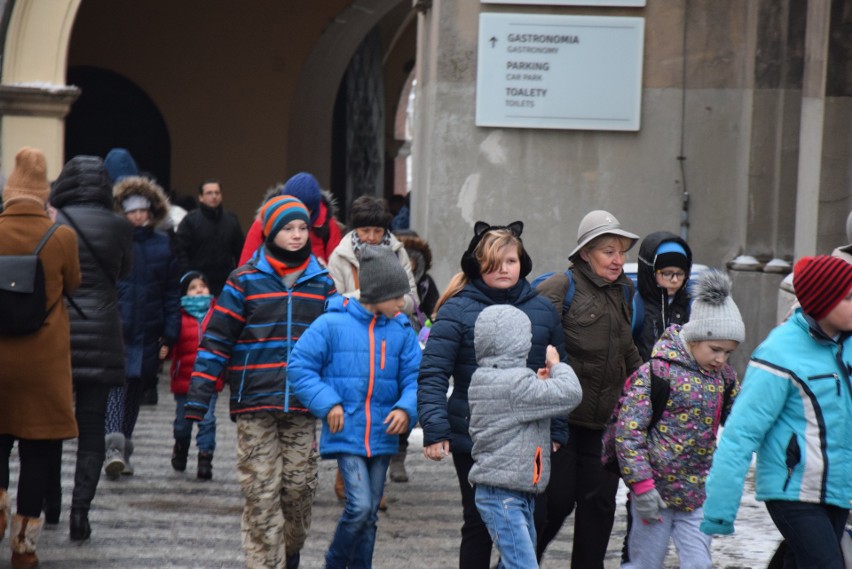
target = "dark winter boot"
x: 293, y: 561
x: 86, y: 476
x: 397, y: 468
x: 180, y: 452
x: 205, y: 465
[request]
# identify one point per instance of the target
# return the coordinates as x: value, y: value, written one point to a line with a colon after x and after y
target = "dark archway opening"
x: 112, y: 111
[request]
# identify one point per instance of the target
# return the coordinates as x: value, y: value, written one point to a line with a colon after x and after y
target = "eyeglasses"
x: 672, y: 275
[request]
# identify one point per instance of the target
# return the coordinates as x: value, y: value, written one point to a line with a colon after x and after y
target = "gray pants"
x: 649, y: 542
x: 277, y: 470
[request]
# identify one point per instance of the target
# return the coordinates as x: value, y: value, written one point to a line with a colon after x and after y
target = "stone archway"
x: 312, y: 111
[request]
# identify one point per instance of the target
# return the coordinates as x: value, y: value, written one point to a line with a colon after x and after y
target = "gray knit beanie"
x: 714, y: 315
x: 382, y: 276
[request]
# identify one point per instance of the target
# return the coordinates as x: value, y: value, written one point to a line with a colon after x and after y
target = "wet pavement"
x: 162, y: 518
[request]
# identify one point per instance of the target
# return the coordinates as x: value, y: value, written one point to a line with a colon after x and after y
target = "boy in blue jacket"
x: 356, y: 367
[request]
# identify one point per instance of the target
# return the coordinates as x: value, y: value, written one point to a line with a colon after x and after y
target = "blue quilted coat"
x: 365, y: 362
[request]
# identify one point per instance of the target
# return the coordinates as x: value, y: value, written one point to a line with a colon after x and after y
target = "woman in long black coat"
x: 82, y: 196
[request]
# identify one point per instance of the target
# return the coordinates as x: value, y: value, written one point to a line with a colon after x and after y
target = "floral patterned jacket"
x: 678, y: 451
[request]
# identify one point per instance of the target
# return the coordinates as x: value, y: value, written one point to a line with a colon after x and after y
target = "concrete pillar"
x: 813, y: 122
x: 34, y: 98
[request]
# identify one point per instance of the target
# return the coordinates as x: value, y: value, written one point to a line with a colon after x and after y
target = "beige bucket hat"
x: 597, y: 223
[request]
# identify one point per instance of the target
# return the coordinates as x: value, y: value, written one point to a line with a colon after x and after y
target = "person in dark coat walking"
x: 82, y: 197
x: 210, y: 239
x: 149, y: 301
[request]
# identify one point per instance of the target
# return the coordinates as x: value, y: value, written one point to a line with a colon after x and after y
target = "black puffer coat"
x: 83, y: 192
x: 659, y: 314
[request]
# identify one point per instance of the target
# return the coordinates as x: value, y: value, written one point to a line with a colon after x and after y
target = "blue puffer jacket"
x: 450, y: 352
x: 251, y: 335
x: 149, y: 302
x: 795, y: 411
x: 365, y: 362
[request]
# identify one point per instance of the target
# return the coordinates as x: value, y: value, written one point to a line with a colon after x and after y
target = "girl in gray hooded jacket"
x: 510, y: 412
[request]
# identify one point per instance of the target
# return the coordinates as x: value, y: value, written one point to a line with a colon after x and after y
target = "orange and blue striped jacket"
x: 255, y: 324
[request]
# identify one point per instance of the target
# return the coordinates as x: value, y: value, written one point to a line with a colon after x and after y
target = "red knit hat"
x: 821, y: 283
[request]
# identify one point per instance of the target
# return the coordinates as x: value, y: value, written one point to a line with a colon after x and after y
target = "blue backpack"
x: 637, y: 302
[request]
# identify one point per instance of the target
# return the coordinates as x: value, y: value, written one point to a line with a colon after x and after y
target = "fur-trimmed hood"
x: 418, y: 250
x: 148, y: 189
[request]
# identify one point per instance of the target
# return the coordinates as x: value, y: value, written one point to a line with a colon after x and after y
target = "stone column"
x: 813, y: 122
x: 33, y: 115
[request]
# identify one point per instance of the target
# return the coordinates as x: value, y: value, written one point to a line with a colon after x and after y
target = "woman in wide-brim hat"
x: 601, y: 351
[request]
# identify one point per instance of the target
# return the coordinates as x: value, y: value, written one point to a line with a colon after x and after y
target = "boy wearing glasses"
x: 665, y: 261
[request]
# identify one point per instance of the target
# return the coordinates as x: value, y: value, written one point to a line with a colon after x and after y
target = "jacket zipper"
x: 383, y: 354
x: 537, y: 468
x: 289, y: 347
x: 370, y: 386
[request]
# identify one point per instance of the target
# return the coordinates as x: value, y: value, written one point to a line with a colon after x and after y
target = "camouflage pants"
x: 277, y: 469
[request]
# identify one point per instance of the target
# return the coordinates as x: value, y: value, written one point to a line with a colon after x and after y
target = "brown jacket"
x: 35, y: 369
x: 597, y: 338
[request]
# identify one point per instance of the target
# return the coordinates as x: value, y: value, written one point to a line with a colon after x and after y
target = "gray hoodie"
x: 510, y: 407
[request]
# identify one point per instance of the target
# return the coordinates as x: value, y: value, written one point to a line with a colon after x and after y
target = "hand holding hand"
x: 335, y: 419
x: 648, y: 505
x: 437, y: 451
x: 398, y: 420
x: 164, y: 351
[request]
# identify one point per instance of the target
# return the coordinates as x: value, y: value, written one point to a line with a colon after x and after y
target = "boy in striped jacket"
x: 264, y: 308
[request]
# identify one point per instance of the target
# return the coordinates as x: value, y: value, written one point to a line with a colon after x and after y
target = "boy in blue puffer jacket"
x: 366, y: 393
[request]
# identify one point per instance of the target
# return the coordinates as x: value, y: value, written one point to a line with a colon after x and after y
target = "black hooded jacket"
x: 83, y: 193
x: 659, y: 314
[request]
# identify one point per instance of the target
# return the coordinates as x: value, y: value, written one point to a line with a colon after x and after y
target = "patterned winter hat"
x: 279, y: 211
x: 821, y: 283
x: 714, y: 314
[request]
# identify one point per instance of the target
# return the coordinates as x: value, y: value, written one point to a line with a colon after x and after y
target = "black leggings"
x: 579, y: 484
x: 36, y: 460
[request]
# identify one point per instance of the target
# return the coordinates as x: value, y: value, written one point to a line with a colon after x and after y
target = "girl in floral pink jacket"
x: 666, y: 465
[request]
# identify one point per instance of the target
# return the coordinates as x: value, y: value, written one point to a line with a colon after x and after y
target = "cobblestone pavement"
x: 162, y: 518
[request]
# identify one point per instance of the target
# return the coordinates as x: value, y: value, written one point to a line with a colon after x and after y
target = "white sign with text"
x: 568, y: 72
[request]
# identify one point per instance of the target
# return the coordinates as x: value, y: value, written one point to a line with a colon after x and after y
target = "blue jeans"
x: 508, y: 515
x: 812, y: 532
x: 355, y: 536
x: 205, y: 440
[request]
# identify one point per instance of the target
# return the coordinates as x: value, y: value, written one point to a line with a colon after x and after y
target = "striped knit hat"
x: 279, y: 211
x: 821, y: 283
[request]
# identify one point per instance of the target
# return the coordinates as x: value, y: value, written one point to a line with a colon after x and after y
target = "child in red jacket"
x: 195, y: 303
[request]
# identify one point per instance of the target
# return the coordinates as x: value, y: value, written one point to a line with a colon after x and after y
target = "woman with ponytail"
x: 494, y: 270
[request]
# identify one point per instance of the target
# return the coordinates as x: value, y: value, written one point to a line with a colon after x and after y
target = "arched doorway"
x: 112, y: 111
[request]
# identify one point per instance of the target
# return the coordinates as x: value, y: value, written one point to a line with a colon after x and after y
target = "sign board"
x: 569, y: 2
x: 568, y: 72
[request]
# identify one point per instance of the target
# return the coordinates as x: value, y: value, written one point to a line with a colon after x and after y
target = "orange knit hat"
x: 29, y: 178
